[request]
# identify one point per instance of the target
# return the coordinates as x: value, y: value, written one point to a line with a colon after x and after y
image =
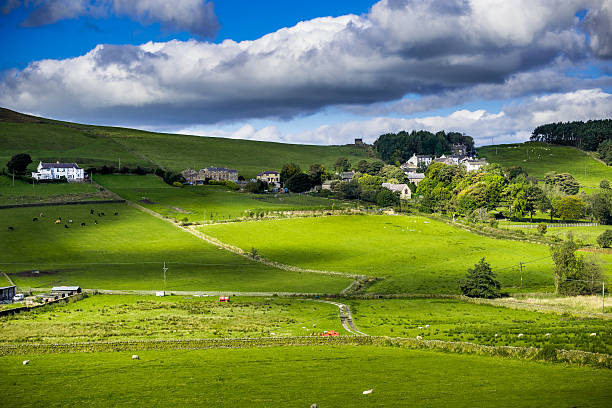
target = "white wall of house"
x: 53, y: 171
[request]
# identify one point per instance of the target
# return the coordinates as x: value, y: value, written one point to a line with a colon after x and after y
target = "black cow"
x: 116, y: 213
x: 82, y: 224
x: 66, y: 226
x: 96, y: 222
x: 11, y: 229
x: 34, y: 219
x: 91, y: 211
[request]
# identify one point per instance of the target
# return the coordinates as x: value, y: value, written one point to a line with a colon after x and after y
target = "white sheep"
x: 427, y: 326
x: 419, y: 338
x: 420, y: 327
x: 496, y: 334
x: 593, y: 334
x: 368, y: 391
x: 520, y: 335
x: 547, y: 335
x: 26, y: 362
x: 135, y: 357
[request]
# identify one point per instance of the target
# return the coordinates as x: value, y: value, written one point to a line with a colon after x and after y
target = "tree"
x: 605, y: 239
x: 601, y: 207
x: 299, y: 183
x: 342, y: 164
x: 480, y: 282
x: 316, y: 173
x: 350, y: 190
x: 387, y: 198
x: 604, y: 184
x: 570, y: 208
x: 257, y: 187
x: 564, y: 181
x: 574, y: 275
x: 542, y: 228
x: 393, y: 174
x: 19, y: 163
x: 289, y: 170
x: 535, y: 199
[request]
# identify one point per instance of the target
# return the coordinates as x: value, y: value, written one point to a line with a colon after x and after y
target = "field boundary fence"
x: 558, y: 225
x: 7, y: 206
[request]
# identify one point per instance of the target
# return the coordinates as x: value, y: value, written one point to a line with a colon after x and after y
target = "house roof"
x: 64, y: 288
x: 59, y: 165
x: 263, y: 173
x: 395, y: 187
x: 219, y: 169
x: 7, y: 287
x: 412, y: 175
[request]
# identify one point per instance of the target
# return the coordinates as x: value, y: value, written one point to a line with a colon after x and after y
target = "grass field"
x: 127, y: 251
x: 130, y: 317
x: 299, y: 377
x: 208, y: 203
x: 97, y: 145
x: 414, y: 254
x: 454, y: 320
x: 582, y: 235
x: 24, y: 193
x: 537, y: 159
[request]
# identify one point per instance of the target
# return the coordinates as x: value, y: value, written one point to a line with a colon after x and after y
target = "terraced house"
x: 57, y: 170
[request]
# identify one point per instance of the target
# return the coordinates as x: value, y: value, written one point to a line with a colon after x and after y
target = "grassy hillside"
x: 299, y: 377
x: 126, y: 251
x: 537, y: 159
x: 413, y: 254
x: 206, y: 203
x: 50, y: 140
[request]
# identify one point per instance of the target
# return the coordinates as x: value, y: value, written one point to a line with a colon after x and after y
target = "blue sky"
x: 321, y: 72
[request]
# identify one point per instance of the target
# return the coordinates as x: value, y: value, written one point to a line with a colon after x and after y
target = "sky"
x: 317, y: 72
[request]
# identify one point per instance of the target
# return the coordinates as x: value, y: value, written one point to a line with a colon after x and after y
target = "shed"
x: 66, y: 290
x: 7, y: 292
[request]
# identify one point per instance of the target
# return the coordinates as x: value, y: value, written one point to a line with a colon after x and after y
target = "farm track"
x: 239, y: 251
x: 345, y: 317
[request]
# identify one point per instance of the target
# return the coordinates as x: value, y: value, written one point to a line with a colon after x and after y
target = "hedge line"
x: 575, y: 357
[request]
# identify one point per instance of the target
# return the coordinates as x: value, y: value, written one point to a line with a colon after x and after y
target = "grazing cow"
x: 91, y: 211
x: 82, y: 224
x: 11, y: 228
x: 42, y: 215
x: 34, y: 219
x: 96, y: 222
x: 116, y: 213
x: 65, y: 225
x: 102, y: 214
x: 58, y: 221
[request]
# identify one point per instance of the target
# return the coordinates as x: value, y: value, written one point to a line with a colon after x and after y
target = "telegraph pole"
x: 603, y: 297
x: 165, y: 269
x: 521, y: 266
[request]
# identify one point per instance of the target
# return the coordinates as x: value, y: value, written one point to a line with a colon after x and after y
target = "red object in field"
x: 224, y: 299
x: 329, y: 333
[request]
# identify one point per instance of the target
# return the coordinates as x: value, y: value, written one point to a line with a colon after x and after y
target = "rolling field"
x: 131, y: 317
x: 583, y: 235
x: 454, y: 320
x: 299, y: 377
x: 208, y: 203
x: 537, y: 159
x: 25, y: 193
x: 127, y: 251
x: 88, y: 145
x: 414, y: 254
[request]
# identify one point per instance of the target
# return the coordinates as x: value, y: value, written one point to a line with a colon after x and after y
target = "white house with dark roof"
x: 270, y: 177
x: 403, y: 189
x: 57, y: 170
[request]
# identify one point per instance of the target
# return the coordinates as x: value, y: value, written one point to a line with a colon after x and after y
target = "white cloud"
x: 194, y: 16
x: 430, y: 48
x: 514, y: 123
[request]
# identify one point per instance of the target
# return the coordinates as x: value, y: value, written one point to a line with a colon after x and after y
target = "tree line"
x: 584, y: 135
x: 399, y: 147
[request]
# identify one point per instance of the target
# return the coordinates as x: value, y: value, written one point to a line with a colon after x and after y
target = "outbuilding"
x: 66, y: 290
x: 7, y: 293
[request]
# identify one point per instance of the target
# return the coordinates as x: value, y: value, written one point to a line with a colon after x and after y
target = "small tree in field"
x: 605, y: 239
x: 575, y: 275
x: 19, y: 163
x: 542, y: 228
x: 481, y: 282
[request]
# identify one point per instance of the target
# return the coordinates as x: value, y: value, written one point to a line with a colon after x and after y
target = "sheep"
x: 496, y: 334
x: 420, y: 327
x: 368, y: 391
x: 11, y: 228
x: 547, y: 335
x: 82, y: 224
x: 66, y: 226
x: 41, y: 215
x: 427, y: 326
x: 69, y: 221
x: 34, y: 219
x: 58, y: 221
x: 419, y: 338
x: 593, y: 334
x: 135, y: 357
x: 520, y: 335
x: 26, y: 362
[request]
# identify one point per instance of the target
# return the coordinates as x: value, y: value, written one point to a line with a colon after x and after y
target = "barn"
x: 66, y: 290
x: 7, y: 293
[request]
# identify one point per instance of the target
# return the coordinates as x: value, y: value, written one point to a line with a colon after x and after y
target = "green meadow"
x: 299, y: 377
x: 413, y: 254
x: 24, y: 193
x: 208, y: 203
x: 538, y: 158
x: 455, y: 320
x: 132, y: 317
x: 127, y: 251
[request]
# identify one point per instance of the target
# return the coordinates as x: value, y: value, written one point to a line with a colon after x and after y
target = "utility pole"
x: 13, y: 178
x: 120, y: 164
x: 521, y: 266
x: 603, y: 297
x: 165, y: 269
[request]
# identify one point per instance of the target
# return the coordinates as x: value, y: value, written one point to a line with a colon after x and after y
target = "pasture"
x: 538, y: 158
x: 131, y: 317
x: 455, y: 320
x: 25, y: 193
x: 299, y: 376
x: 208, y: 203
x: 127, y: 251
x: 413, y: 254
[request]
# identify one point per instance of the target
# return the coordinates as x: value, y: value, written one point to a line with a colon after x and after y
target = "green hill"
x: 51, y: 140
x: 538, y: 158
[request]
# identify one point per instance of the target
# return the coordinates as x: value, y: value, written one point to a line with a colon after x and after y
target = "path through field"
x: 345, y: 317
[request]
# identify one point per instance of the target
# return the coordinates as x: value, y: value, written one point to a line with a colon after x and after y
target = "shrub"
x: 542, y: 228
x: 481, y: 282
x: 605, y: 239
x: 177, y: 184
x: 604, y: 184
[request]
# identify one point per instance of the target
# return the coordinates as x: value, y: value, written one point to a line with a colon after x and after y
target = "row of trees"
x: 511, y: 192
x: 584, y: 135
x: 399, y: 147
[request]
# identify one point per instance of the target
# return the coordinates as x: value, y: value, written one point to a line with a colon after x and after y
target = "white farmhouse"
x: 57, y: 170
x: 473, y: 164
x: 417, y: 160
x: 403, y: 189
